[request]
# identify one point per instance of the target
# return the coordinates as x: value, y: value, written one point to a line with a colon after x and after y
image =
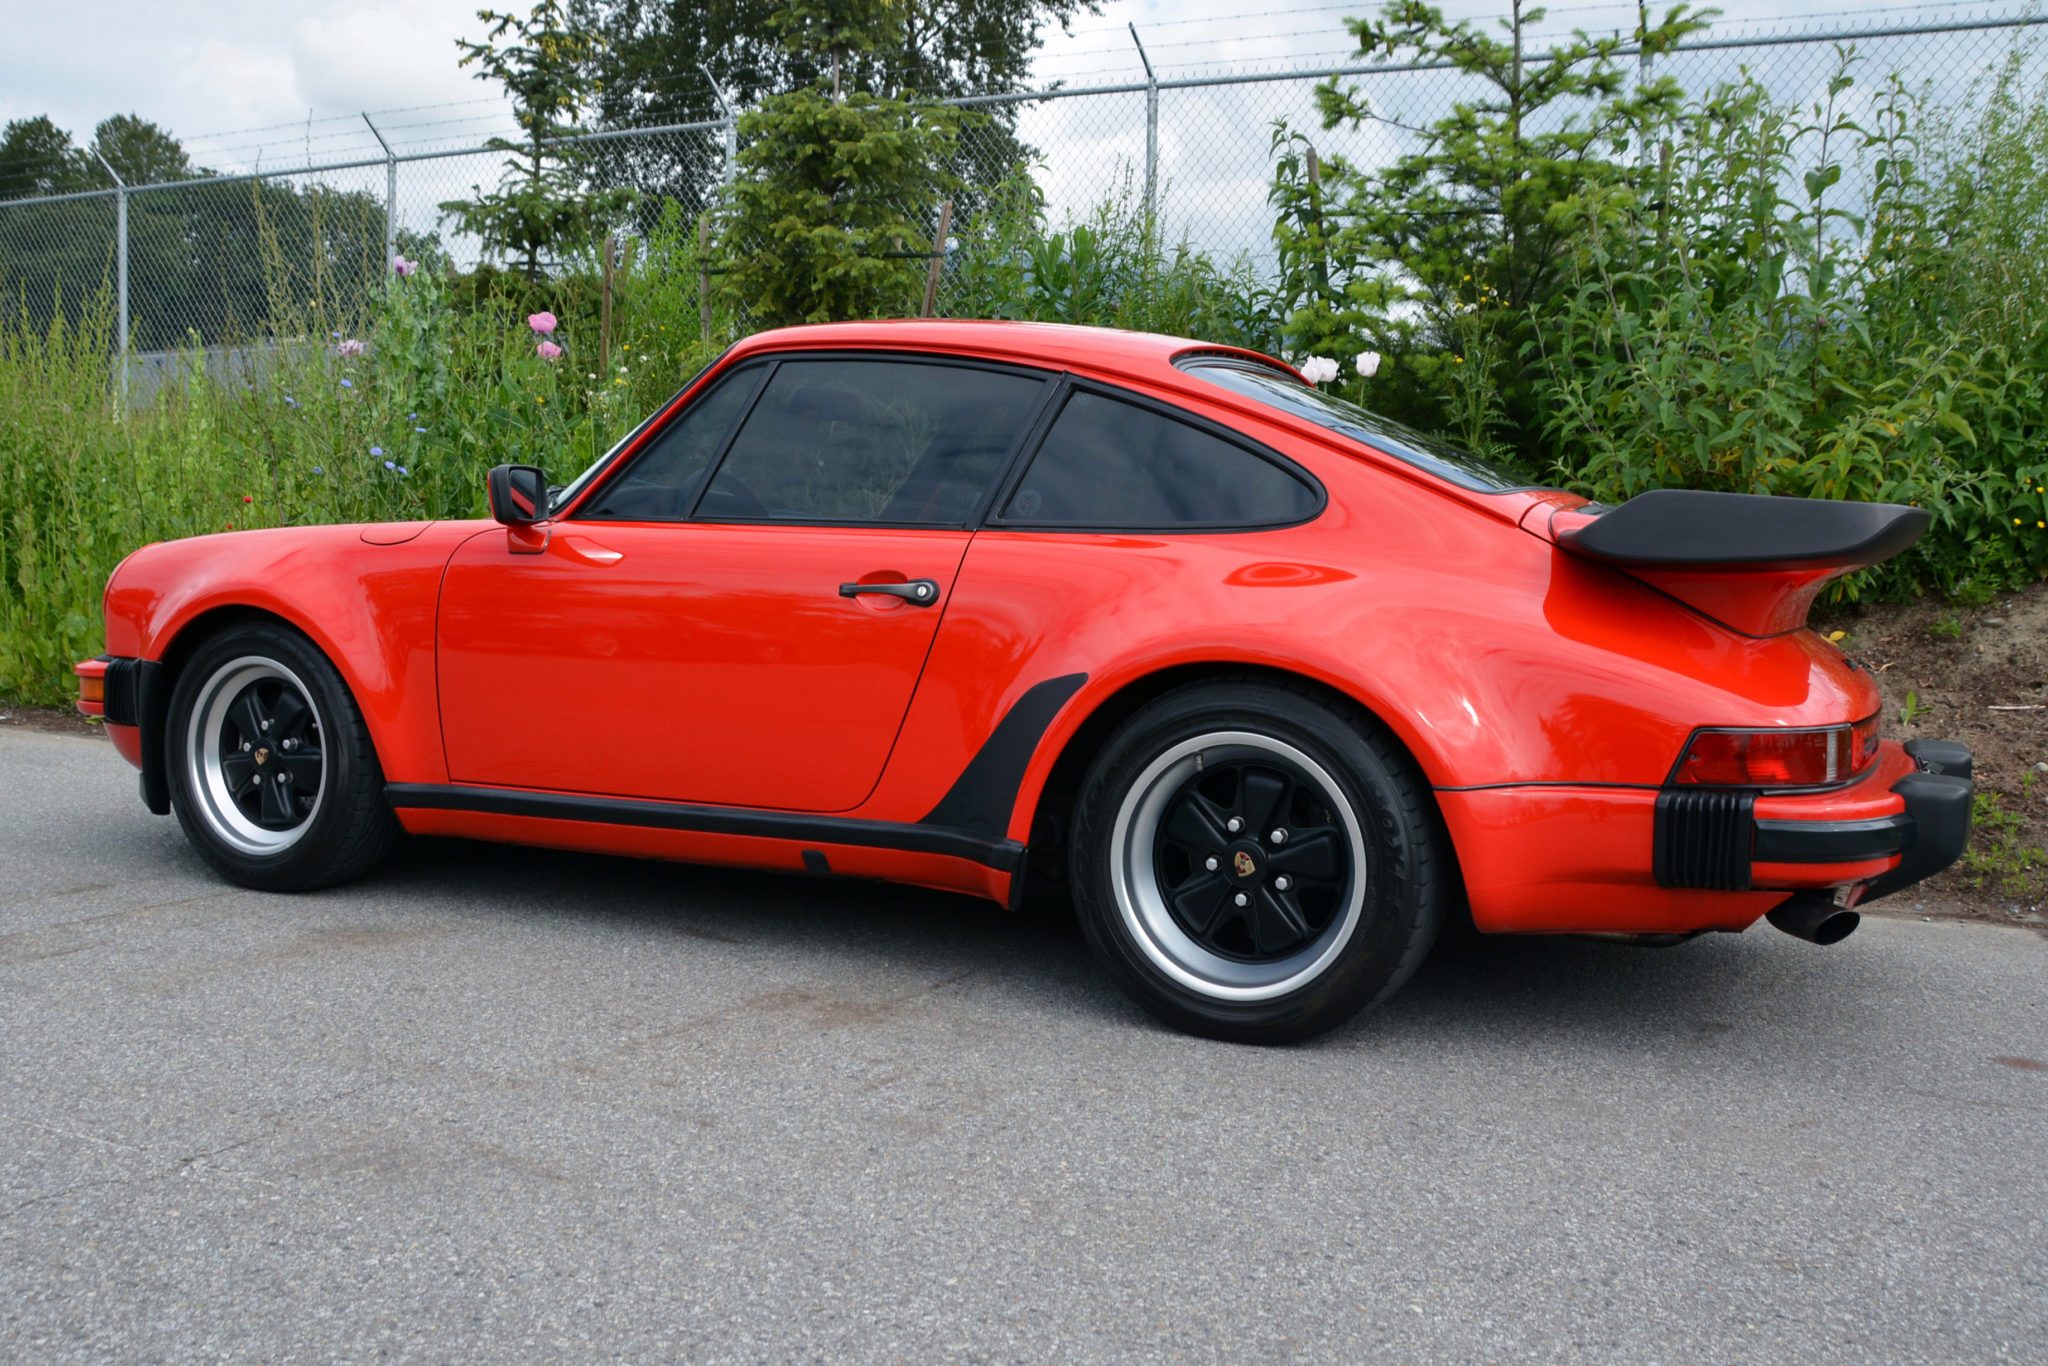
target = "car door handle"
x: 917, y: 592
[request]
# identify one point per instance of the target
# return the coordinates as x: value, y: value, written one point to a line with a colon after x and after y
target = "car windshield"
x: 1289, y: 395
x: 561, y: 496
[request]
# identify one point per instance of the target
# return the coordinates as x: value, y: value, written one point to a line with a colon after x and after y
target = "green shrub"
x: 305, y: 434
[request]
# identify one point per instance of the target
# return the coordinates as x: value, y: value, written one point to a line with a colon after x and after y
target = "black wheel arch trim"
x: 1001, y: 855
x: 984, y: 796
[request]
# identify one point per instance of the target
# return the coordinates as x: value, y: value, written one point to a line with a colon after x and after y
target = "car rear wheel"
x: 1253, y: 864
x: 271, y: 769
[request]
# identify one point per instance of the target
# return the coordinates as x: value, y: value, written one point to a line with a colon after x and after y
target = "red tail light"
x: 1778, y: 758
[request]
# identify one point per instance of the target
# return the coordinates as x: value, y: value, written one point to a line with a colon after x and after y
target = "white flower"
x: 1368, y: 363
x: 1319, y: 370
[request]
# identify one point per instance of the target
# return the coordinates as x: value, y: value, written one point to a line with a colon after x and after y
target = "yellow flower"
x: 543, y: 398
x: 1838, y: 635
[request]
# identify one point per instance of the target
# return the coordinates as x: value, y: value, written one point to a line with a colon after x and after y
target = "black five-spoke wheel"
x: 256, y: 757
x: 1250, y: 858
x: 1254, y: 860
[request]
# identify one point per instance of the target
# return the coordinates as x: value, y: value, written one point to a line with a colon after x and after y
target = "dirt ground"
x: 1978, y: 675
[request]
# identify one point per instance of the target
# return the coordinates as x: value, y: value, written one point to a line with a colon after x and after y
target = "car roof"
x: 1146, y: 355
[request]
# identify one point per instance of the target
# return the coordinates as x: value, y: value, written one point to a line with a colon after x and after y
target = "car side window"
x: 896, y: 442
x: 662, y: 482
x: 1109, y: 463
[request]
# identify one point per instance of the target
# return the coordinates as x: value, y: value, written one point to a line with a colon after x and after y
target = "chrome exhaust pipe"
x: 1815, y: 919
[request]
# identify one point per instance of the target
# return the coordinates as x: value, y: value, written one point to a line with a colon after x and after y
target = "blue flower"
x: 421, y: 430
x: 401, y: 469
x: 412, y: 417
x: 348, y: 384
x: 376, y: 450
x: 389, y: 465
x: 335, y: 335
x: 318, y: 470
x: 290, y: 402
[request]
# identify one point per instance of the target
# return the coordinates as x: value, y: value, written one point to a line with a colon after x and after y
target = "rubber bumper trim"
x: 1939, y: 806
x: 1692, y: 844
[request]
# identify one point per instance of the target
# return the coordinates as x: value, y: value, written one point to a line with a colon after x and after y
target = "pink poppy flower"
x: 349, y: 348
x: 547, y: 350
x: 542, y: 323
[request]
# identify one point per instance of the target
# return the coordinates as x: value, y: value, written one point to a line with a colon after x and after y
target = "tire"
x: 1339, y: 907
x: 259, y: 703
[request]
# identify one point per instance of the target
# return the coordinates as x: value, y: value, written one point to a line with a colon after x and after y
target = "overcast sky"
x: 283, y: 79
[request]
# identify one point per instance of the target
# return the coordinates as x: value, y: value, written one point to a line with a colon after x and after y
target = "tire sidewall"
x: 1398, y: 901
x: 350, y: 763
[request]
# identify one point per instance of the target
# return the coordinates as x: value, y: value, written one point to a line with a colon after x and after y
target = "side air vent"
x: 1702, y: 839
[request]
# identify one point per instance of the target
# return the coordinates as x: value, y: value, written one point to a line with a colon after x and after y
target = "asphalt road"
x: 504, y: 1104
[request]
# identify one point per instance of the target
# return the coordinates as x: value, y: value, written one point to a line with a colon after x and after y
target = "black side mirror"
x: 519, y: 494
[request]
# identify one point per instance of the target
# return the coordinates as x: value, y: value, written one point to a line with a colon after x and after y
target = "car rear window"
x: 1277, y: 389
x: 1108, y: 463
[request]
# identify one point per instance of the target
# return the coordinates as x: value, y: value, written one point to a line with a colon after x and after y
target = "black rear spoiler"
x: 1692, y: 529
x: 1752, y: 562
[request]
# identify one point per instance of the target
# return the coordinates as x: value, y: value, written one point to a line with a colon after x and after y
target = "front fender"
x: 368, y: 607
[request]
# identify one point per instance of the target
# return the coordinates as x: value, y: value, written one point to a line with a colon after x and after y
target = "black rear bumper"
x: 1711, y: 839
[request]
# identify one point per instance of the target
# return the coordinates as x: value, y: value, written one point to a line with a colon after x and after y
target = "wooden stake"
x: 704, y: 278
x: 604, y: 324
x: 931, y: 278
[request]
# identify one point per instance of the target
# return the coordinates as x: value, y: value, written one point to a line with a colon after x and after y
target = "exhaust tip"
x: 1816, y: 920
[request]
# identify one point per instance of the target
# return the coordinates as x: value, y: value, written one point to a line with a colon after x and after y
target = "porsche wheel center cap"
x: 1245, y: 863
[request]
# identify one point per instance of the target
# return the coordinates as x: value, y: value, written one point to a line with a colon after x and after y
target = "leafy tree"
x: 36, y: 158
x: 542, y: 202
x: 142, y: 152
x: 1448, y: 253
x: 828, y: 216
x: 651, y: 63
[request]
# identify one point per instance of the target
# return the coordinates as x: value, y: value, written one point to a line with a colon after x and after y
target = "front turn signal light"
x: 1778, y: 758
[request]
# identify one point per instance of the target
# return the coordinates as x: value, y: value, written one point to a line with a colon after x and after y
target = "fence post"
x: 390, y: 194
x: 732, y: 126
x: 120, y: 276
x: 1151, y: 132
x: 938, y: 262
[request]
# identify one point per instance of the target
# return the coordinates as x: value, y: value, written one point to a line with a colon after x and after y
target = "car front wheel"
x: 1254, y: 864
x: 271, y: 769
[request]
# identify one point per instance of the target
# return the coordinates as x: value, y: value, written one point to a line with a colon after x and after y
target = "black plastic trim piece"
x: 1939, y: 805
x: 1700, y: 837
x: 1700, y: 529
x: 1002, y: 855
x: 983, y: 796
x: 1833, y: 841
x: 1942, y: 756
x: 132, y: 698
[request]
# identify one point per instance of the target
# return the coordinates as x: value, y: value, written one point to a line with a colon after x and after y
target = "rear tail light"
x: 1778, y: 758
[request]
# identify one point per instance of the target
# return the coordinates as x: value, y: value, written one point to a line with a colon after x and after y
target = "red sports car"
x: 1272, y: 684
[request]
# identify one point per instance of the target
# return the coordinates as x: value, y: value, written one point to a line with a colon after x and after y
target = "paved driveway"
x: 499, y: 1104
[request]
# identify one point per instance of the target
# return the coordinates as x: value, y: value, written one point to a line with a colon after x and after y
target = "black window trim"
x: 751, y: 371
x: 1074, y: 384
x: 768, y: 364
x: 625, y: 449
x: 1059, y: 387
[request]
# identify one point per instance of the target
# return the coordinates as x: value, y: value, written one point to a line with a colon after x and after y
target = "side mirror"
x: 519, y: 494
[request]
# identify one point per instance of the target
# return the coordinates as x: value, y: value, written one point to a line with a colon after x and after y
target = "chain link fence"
x: 223, y: 261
